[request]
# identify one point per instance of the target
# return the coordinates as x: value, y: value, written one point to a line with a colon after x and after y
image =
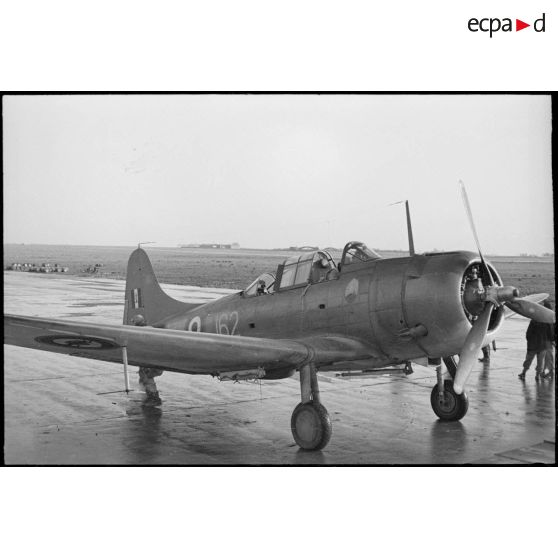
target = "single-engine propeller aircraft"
x: 310, y: 314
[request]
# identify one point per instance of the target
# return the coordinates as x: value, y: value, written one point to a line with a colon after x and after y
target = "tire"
x: 311, y: 426
x: 455, y: 406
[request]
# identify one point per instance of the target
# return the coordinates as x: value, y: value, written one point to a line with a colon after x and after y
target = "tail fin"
x: 144, y: 297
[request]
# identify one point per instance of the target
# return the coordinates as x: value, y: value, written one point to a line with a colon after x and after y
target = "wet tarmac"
x: 64, y: 410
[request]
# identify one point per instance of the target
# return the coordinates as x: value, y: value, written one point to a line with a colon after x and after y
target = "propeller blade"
x: 532, y: 310
x: 473, y: 228
x: 471, y: 348
x: 537, y: 297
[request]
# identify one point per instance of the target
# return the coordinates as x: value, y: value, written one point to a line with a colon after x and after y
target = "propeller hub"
x: 473, y: 296
x: 481, y: 284
x: 499, y: 295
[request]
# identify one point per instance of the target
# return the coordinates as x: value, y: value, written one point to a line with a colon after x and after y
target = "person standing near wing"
x: 146, y: 375
x: 537, y: 343
x: 550, y: 343
x: 486, y: 352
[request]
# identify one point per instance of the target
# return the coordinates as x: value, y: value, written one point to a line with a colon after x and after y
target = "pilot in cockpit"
x: 321, y: 268
x: 262, y: 289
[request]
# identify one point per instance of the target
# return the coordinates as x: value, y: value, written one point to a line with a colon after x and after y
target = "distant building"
x: 233, y: 246
x: 304, y: 248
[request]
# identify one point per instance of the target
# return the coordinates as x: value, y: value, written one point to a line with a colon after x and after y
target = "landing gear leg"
x: 440, y: 383
x: 445, y: 402
x: 310, y: 422
x: 451, y: 365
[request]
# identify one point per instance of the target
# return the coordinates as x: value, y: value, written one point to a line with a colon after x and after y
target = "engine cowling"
x: 426, y: 305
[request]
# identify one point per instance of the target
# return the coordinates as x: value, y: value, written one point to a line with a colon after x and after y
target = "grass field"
x: 235, y: 269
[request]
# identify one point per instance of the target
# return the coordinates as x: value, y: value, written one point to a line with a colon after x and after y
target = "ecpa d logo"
x: 493, y: 25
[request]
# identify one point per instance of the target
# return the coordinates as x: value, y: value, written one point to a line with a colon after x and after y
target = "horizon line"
x: 283, y: 249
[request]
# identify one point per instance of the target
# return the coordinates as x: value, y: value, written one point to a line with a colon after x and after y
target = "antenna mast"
x: 409, y: 230
x: 409, y: 227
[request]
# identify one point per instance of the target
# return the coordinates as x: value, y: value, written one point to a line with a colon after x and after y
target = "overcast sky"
x: 275, y: 171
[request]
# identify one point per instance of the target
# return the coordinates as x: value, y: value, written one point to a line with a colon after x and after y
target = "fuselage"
x: 398, y: 309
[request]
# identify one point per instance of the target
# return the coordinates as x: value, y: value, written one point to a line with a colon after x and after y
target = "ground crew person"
x: 146, y: 374
x: 537, y: 342
x: 550, y: 342
x: 486, y: 352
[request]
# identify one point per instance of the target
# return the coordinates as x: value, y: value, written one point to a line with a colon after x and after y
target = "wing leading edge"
x: 180, y: 351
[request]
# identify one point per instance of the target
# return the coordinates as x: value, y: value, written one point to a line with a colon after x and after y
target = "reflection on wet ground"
x: 447, y: 439
x: 303, y: 457
x: 143, y: 438
x: 60, y: 409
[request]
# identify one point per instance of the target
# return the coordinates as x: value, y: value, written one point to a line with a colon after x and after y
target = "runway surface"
x: 66, y: 410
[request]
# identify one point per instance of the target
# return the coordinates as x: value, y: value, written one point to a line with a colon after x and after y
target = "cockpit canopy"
x: 312, y: 267
x: 296, y: 271
x: 309, y: 268
x: 357, y: 252
x: 264, y: 284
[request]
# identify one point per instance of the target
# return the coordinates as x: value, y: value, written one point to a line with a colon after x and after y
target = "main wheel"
x: 311, y: 426
x: 454, y: 407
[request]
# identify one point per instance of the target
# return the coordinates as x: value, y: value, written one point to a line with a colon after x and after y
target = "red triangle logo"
x: 519, y: 25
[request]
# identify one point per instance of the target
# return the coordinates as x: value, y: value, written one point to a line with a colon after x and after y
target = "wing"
x: 180, y: 351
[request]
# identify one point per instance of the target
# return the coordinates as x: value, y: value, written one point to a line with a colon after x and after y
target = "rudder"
x: 144, y: 295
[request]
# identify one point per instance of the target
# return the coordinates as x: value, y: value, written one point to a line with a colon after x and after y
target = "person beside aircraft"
x: 146, y: 375
x: 539, y: 337
x: 550, y: 342
x: 486, y: 352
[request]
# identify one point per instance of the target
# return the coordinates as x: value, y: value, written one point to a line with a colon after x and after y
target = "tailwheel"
x: 311, y: 425
x: 448, y: 405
